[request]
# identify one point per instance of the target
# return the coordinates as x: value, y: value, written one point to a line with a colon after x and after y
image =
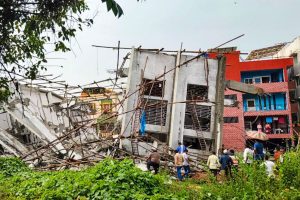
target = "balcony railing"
x: 273, y: 86
x: 279, y: 130
x: 272, y: 108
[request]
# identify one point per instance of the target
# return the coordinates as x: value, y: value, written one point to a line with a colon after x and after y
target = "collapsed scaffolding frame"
x: 69, y: 94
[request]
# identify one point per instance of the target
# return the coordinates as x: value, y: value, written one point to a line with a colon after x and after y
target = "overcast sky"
x: 199, y: 24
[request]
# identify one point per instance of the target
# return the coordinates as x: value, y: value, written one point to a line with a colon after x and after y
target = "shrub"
x: 11, y: 165
x: 110, y: 179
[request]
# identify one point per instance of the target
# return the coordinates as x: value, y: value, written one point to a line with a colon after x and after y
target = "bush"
x: 11, y: 165
x: 290, y: 170
x: 252, y: 182
x: 112, y: 179
x: 109, y: 179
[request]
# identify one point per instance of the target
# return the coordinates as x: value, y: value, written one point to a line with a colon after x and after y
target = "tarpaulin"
x: 143, y: 123
x: 281, y: 120
x: 269, y: 119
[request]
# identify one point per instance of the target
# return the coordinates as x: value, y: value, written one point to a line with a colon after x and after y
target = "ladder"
x: 197, y: 127
x: 135, y: 147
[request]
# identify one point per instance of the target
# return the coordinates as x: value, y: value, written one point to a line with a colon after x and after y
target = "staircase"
x: 135, y: 147
x: 197, y: 128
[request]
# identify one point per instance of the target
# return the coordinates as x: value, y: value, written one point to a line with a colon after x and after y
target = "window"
x: 191, y: 142
x: 196, y: 92
x: 153, y: 88
x: 294, y: 117
x: 94, y: 90
x: 265, y: 79
x: 92, y: 108
x: 257, y: 79
x: 231, y: 97
x: 248, y: 80
x: 197, y: 117
x: 251, y: 104
x: 156, y: 111
x: 248, y: 125
x: 162, y: 137
x: 231, y: 120
x: 290, y: 72
x: 106, y: 105
x: 292, y: 95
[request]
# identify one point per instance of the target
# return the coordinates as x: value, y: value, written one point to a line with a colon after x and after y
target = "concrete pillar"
x: 174, y: 126
x: 130, y: 102
x: 220, y: 87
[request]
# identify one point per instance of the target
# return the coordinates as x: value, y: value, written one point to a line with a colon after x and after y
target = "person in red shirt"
x: 268, y: 128
x: 277, y: 153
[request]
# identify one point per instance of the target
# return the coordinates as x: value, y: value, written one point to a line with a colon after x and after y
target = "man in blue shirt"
x: 258, y: 150
x: 181, y: 148
x: 226, y: 163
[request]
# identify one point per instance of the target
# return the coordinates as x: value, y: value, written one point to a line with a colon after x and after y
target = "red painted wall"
x: 233, y: 133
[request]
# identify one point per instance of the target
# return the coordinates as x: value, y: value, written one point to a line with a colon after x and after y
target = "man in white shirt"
x: 213, y: 164
x: 186, y: 163
x: 269, y: 166
x: 248, y: 155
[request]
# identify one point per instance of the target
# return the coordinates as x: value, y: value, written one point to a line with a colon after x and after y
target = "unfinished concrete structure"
x: 181, y: 95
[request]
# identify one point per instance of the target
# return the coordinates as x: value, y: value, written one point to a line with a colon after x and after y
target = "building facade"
x: 274, y: 107
x: 103, y: 105
x: 170, y: 96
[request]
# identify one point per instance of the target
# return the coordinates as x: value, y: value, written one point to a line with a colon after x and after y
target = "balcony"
x: 268, y: 80
x: 268, y: 104
x: 266, y: 113
x: 278, y: 127
x: 280, y: 136
x: 262, y: 76
x: 273, y: 87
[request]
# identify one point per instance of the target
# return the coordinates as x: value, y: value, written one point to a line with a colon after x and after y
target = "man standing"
x: 153, y: 161
x: 269, y: 166
x: 186, y: 164
x: 213, y: 164
x: 226, y: 163
x: 178, y: 161
x: 258, y: 150
x: 181, y: 148
x: 248, y: 155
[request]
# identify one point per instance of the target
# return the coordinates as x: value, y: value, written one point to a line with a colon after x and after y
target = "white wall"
x: 192, y: 73
x: 153, y: 65
x: 290, y: 49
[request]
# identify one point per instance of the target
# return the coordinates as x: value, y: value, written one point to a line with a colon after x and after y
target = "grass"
x: 113, y: 179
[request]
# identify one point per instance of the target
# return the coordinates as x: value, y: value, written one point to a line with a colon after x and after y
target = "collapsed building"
x: 36, y: 119
x: 169, y: 98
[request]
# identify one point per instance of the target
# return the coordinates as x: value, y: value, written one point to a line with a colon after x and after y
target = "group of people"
x: 181, y: 161
x: 228, y: 161
x: 268, y: 128
x: 225, y: 163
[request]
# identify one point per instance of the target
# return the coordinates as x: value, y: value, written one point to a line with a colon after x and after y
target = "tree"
x: 26, y: 26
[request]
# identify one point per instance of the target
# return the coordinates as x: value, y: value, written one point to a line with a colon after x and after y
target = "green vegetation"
x: 113, y: 179
x: 30, y: 29
x: 109, y: 179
